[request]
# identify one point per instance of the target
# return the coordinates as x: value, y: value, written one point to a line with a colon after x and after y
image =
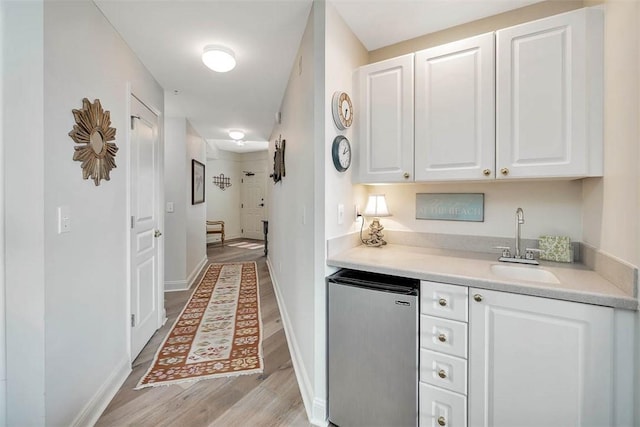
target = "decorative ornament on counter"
x: 279, y: 170
x: 93, y: 130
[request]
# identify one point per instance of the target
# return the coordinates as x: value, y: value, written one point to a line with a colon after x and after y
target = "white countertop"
x: 577, y: 283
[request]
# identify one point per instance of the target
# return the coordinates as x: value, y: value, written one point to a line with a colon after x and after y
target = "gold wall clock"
x: 342, y: 110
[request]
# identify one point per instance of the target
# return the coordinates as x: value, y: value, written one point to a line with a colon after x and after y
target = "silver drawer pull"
x: 442, y: 421
x: 442, y: 302
x: 442, y: 338
x: 442, y: 373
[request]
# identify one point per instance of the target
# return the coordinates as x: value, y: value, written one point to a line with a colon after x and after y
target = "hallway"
x: 269, y: 399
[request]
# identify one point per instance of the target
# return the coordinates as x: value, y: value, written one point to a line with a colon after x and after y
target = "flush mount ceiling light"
x: 236, y: 134
x: 218, y: 58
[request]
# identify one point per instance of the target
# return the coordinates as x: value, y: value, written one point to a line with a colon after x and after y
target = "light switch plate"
x: 64, y: 219
x: 169, y: 207
x: 340, y: 214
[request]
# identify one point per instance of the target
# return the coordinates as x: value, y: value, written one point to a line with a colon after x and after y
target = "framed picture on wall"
x: 197, y: 182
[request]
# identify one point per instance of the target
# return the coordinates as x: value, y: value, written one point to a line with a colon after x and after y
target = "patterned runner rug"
x: 218, y: 333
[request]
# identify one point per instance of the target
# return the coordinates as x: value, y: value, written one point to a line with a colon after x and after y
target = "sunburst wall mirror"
x: 93, y: 131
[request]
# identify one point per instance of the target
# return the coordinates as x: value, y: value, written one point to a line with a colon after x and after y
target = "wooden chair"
x: 216, y: 227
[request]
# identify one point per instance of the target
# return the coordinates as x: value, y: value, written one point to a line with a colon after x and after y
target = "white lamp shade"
x: 376, y: 206
x: 218, y: 58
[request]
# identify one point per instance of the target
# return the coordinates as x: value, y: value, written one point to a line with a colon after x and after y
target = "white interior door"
x: 253, y: 203
x: 145, y: 284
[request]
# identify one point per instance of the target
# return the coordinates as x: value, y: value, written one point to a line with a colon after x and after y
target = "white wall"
x: 3, y: 345
x: 84, y: 272
x: 549, y: 208
x: 185, y: 232
x: 225, y: 204
x: 343, y: 54
x: 196, y: 214
x: 24, y: 154
x: 292, y: 212
x: 176, y: 173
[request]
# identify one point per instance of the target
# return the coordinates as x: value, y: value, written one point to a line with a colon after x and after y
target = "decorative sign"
x: 450, y: 206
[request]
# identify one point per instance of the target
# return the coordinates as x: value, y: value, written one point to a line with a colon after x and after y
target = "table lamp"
x: 376, y: 208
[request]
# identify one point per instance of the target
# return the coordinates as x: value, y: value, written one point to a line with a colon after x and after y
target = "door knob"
x: 157, y: 233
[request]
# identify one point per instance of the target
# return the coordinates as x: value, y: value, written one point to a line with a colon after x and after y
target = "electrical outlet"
x: 357, y: 215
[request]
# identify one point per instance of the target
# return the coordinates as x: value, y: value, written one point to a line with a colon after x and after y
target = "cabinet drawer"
x: 439, y: 407
x: 442, y: 300
x: 443, y: 335
x: 443, y: 371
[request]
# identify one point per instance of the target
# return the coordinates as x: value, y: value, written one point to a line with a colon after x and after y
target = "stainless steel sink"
x: 531, y: 274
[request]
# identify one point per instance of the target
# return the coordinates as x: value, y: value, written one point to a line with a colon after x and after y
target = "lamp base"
x: 375, y: 234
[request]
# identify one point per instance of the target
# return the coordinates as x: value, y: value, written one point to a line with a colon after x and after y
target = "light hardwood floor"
x: 268, y: 399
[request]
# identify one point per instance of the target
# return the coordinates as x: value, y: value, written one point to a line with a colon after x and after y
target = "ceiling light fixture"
x: 236, y: 134
x: 218, y: 58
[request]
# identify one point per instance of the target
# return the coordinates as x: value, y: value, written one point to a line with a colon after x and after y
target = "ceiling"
x: 168, y: 37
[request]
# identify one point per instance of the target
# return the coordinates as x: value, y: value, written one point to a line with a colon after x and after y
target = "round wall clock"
x: 342, y: 110
x: 341, y: 153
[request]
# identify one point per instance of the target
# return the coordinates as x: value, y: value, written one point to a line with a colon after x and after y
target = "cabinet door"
x: 549, y: 97
x: 455, y: 111
x: 536, y: 361
x: 384, y: 121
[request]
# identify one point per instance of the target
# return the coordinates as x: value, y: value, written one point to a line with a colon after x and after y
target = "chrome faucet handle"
x: 529, y: 253
x: 506, y: 251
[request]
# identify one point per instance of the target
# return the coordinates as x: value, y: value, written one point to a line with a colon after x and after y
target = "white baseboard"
x: 175, y: 285
x: 99, y: 402
x: 185, y: 285
x: 315, y: 408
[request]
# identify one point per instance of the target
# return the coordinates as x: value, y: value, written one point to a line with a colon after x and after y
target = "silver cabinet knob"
x: 477, y: 298
x: 442, y: 421
x: 406, y: 175
x: 442, y: 302
x: 486, y: 172
x: 157, y: 233
x: 442, y: 338
x: 504, y: 171
x: 442, y: 373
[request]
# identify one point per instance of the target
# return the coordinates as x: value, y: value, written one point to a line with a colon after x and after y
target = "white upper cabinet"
x: 384, y: 121
x: 455, y: 111
x: 549, y: 97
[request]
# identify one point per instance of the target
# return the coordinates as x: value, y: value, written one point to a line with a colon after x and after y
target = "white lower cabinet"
x: 443, y: 355
x: 521, y: 361
x: 441, y: 408
x: 537, y: 361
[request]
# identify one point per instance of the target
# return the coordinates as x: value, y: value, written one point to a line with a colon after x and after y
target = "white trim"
x: 185, y: 285
x: 101, y: 399
x: 176, y: 285
x: 313, y: 406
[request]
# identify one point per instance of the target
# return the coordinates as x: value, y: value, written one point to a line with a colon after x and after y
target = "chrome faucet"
x: 517, y: 257
x: 519, y: 221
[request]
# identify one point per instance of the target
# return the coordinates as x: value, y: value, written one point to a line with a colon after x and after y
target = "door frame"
x: 162, y: 313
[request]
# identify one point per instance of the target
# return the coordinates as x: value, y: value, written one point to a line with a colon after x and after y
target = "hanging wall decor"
x: 279, y: 170
x: 197, y: 182
x: 222, y: 181
x: 93, y: 130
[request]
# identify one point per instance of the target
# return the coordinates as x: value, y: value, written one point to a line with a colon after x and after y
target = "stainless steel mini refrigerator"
x: 372, y: 349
